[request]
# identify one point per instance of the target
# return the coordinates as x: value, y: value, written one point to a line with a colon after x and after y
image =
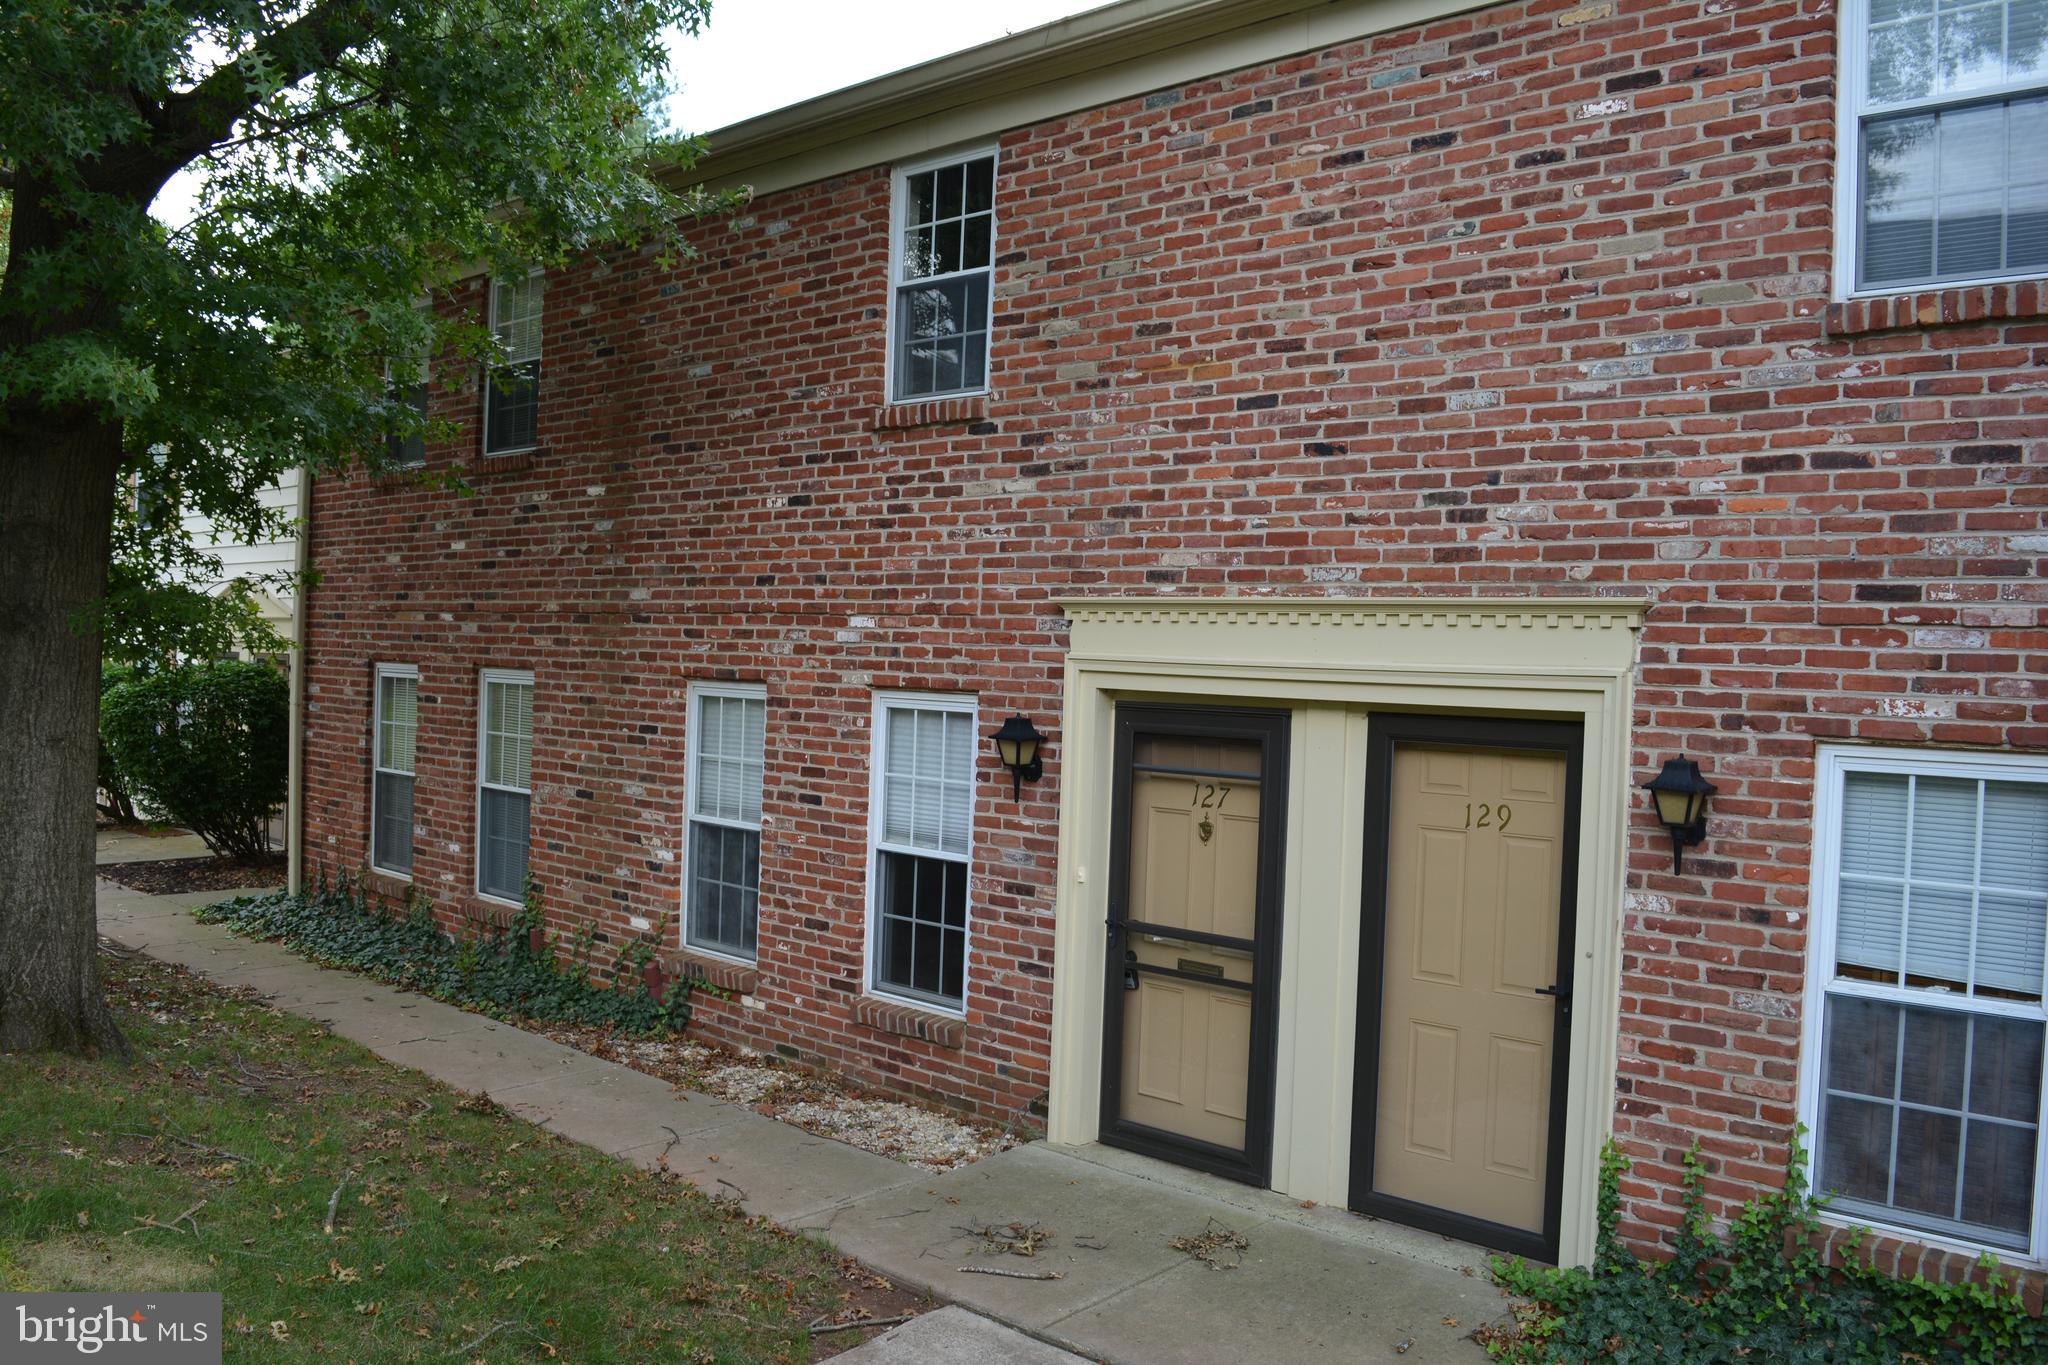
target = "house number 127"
x: 1489, y: 817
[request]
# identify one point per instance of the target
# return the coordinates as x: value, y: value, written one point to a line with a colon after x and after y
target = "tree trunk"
x: 57, y: 482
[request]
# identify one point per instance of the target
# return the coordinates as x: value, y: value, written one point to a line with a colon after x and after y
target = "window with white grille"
x: 1924, y: 1061
x: 722, y: 866
x: 923, y: 824
x: 1944, y: 120
x: 505, y: 783
x: 394, y: 734
x: 943, y: 264
x: 512, y: 386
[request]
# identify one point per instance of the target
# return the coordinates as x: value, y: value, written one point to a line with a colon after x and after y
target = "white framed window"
x: 942, y: 275
x: 1943, y: 114
x: 1922, y: 1072
x: 504, y: 796
x: 921, y: 845
x: 394, y: 739
x: 512, y: 386
x: 722, y: 859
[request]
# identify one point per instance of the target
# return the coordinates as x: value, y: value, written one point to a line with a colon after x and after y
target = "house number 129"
x: 1490, y: 817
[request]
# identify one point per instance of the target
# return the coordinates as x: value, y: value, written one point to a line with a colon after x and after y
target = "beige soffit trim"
x: 1593, y: 613
x: 1086, y: 60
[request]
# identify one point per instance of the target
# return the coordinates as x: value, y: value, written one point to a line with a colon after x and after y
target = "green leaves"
x: 353, y: 157
x: 492, y: 968
x: 206, y: 745
x: 1761, y: 1292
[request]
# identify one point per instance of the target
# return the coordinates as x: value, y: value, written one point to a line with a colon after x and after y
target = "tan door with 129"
x: 1475, y: 856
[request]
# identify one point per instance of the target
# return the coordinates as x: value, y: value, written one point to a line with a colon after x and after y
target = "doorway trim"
x: 1564, y: 738
x: 1270, y: 728
x: 1333, y: 662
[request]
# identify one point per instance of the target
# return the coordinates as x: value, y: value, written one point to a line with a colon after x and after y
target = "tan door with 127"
x: 1194, y: 864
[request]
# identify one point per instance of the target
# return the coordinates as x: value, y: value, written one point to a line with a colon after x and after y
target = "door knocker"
x: 1205, y: 829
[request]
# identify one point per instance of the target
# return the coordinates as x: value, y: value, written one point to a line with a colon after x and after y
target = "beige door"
x: 1190, y: 933
x: 1475, y: 856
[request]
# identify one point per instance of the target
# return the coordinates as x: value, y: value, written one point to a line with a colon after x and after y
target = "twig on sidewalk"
x: 1011, y: 1274
x: 334, y: 1200
x: 820, y: 1327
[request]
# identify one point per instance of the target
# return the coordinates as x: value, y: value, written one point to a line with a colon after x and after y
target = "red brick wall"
x: 1531, y: 300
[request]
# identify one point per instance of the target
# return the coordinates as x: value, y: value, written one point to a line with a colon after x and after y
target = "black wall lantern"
x: 1681, y: 796
x: 1017, y: 743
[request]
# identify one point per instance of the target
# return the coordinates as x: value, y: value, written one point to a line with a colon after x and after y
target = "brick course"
x: 1534, y: 299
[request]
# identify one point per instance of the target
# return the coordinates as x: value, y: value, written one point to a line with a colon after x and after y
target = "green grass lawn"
x: 462, y: 1234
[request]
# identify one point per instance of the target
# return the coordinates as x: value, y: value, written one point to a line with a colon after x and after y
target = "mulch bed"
x: 195, y: 874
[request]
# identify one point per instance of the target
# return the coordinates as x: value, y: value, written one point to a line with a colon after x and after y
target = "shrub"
x: 206, y: 744
x: 1760, y: 1292
x: 509, y: 971
x: 113, y: 784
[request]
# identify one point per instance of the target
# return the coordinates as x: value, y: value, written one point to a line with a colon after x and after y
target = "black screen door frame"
x: 1383, y: 733
x: 1269, y: 729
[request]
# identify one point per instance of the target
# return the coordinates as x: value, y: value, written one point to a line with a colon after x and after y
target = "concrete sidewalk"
x: 1314, y: 1284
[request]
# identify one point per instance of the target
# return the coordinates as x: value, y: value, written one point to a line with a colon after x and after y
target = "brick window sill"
x: 397, y: 890
x: 938, y: 412
x: 508, y: 464
x: 2015, y: 301
x: 886, y: 1016
x: 738, y: 978
x: 1900, y: 1257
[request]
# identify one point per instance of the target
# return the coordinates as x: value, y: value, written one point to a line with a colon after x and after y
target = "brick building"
x: 1368, y: 440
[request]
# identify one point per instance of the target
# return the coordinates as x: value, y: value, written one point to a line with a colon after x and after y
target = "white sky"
x: 758, y: 55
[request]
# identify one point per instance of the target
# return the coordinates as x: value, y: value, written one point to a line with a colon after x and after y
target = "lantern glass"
x: 1011, y: 750
x: 1678, y: 808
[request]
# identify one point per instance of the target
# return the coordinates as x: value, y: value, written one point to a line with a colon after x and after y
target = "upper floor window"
x: 505, y: 783
x: 942, y: 268
x: 922, y: 831
x: 512, y: 387
x: 394, y: 734
x: 1944, y: 121
x: 728, y: 742
x: 1925, y: 1028
x: 406, y: 387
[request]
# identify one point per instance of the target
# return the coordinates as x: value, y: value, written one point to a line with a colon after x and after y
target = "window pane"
x: 1955, y: 194
x: 1998, y: 1178
x: 512, y: 407
x: 515, y: 317
x: 2016, y: 836
x: 1927, y: 1164
x: 2009, y: 944
x: 932, y: 324
x: 1856, y: 1151
x: 1872, y: 915
x: 508, y: 734
x: 724, y: 895
x: 501, y: 867
x: 2005, y: 1069
x: 923, y: 947
x: 1953, y: 1151
x: 928, y: 779
x: 981, y: 176
x: 398, y: 722
x: 1901, y: 49
x: 1931, y: 1063
x: 1937, y: 936
x: 1863, y: 1047
x: 391, y: 833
